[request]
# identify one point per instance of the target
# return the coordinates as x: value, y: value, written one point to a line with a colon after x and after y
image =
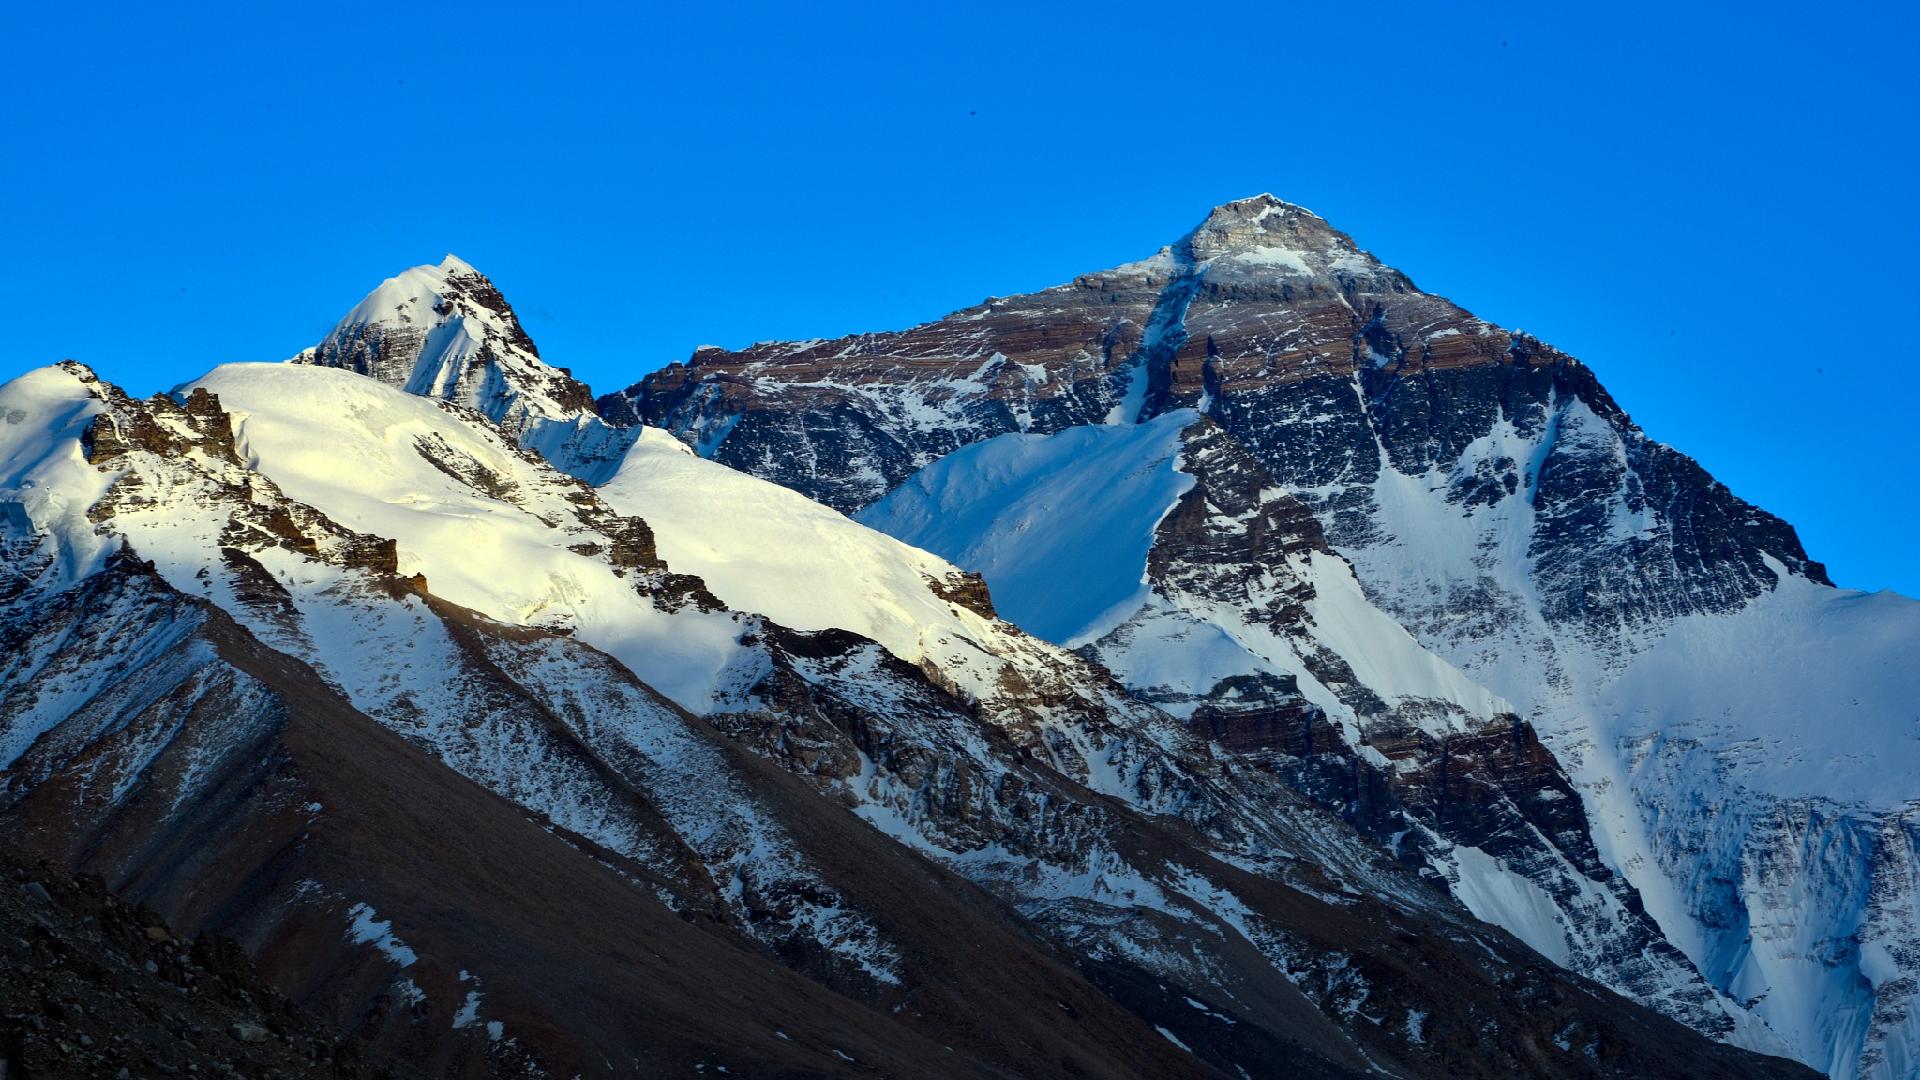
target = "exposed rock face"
x: 164, y: 426
x: 846, y: 421
x: 633, y: 546
x: 917, y: 770
x: 1494, y: 500
x: 967, y: 590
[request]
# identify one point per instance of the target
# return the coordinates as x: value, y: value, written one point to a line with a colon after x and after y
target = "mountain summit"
x: 1489, y: 495
x: 445, y: 331
x: 1264, y: 231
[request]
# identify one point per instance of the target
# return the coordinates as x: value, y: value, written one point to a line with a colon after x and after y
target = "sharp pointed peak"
x: 445, y: 330
x: 1261, y: 220
x: 430, y: 276
x: 452, y: 281
x: 1265, y: 235
x: 1258, y: 207
x: 453, y: 264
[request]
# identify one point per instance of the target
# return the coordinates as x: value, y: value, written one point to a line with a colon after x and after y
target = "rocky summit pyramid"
x: 1731, y: 722
x: 1238, y: 663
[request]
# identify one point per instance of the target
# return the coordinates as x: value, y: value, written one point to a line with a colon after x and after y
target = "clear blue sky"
x: 1714, y: 207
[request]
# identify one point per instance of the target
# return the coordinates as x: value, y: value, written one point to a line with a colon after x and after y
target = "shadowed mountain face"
x: 517, y: 738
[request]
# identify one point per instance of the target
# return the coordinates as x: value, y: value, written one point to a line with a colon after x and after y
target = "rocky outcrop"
x: 160, y: 426
x: 966, y: 590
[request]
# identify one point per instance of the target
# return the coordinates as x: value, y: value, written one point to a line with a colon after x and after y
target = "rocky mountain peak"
x: 1256, y: 208
x: 1264, y: 236
x: 434, y: 295
x: 446, y: 331
x: 1349, y: 572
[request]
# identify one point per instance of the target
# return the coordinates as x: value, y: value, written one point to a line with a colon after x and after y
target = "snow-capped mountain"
x: 1112, y: 739
x: 246, y: 622
x: 1731, y: 723
x: 446, y: 332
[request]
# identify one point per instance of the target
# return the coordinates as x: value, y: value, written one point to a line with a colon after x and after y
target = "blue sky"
x: 1712, y: 206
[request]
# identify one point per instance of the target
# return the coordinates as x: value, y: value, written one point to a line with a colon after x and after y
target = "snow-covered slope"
x: 492, y: 529
x: 763, y: 548
x: 1059, y: 525
x: 1813, y: 693
x: 1777, y: 747
x: 50, y: 486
